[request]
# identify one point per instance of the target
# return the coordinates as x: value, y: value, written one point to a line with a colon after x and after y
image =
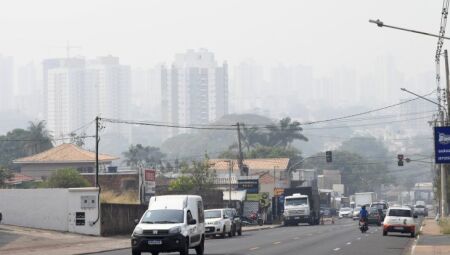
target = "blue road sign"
x: 442, y: 144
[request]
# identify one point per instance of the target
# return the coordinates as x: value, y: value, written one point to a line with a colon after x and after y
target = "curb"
x: 95, y: 252
x: 262, y: 228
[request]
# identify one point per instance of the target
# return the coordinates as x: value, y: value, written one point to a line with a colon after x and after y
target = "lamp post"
x: 442, y: 166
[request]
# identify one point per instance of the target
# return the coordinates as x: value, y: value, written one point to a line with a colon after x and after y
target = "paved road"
x: 341, y: 238
x: 6, y: 236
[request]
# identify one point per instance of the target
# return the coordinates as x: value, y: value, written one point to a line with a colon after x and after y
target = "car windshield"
x: 420, y: 206
x: 163, y: 217
x: 374, y: 210
x: 212, y: 214
x: 380, y: 206
x: 297, y: 201
x: 400, y: 212
x: 346, y: 209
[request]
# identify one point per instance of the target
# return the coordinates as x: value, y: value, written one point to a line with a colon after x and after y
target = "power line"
x: 41, y: 140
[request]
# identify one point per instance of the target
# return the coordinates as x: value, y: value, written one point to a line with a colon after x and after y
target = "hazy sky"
x: 326, y: 34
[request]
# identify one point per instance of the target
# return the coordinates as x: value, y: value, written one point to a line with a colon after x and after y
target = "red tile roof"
x: 64, y: 153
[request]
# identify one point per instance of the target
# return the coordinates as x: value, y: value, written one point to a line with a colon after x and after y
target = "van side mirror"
x: 192, y: 222
x: 136, y: 221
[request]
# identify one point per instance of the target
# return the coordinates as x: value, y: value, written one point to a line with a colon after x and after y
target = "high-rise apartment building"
x: 6, y: 83
x: 194, y: 89
x: 76, y: 91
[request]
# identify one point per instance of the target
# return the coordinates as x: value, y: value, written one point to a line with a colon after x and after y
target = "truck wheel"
x: 385, y: 233
x: 155, y: 253
x: 185, y: 249
x: 230, y: 234
x: 240, y: 231
x: 135, y: 252
x: 413, y: 234
x: 200, y: 249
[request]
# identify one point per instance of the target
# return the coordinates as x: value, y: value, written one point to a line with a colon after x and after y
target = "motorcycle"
x: 254, y: 219
x: 363, y: 226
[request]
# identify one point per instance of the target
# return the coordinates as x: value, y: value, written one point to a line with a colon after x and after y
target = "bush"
x: 445, y: 225
x: 127, y: 197
x: 65, y: 178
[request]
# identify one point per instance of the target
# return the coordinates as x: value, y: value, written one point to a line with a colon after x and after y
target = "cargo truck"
x: 365, y: 198
x: 301, y: 205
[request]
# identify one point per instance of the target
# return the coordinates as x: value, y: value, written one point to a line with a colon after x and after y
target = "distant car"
x: 236, y: 222
x: 374, y: 216
x: 420, y: 210
x: 381, y: 205
x: 400, y: 220
x: 346, y: 212
x: 217, y: 223
x: 356, y: 213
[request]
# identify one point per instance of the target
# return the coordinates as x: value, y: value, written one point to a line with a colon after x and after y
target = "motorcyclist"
x: 363, y: 214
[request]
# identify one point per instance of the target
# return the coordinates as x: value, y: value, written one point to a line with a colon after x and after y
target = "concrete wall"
x: 45, y: 170
x: 53, y: 209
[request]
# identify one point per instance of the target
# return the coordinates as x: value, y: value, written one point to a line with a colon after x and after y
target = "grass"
x: 445, y: 225
x: 126, y: 197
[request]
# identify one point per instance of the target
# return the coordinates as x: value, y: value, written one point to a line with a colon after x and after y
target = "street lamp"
x: 380, y: 23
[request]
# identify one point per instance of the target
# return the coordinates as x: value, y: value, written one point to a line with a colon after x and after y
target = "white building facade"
x: 194, y: 89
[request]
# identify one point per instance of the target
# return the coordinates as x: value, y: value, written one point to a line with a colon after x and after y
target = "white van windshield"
x: 297, y: 201
x: 163, y: 217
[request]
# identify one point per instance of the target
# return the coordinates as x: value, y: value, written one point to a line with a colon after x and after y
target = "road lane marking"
x: 276, y: 242
x: 336, y: 249
x: 254, y: 248
x: 296, y: 238
x: 348, y: 243
x: 359, y: 238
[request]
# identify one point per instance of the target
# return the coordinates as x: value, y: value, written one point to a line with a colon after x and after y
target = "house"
x: 66, y: 155
x: 272, y: 172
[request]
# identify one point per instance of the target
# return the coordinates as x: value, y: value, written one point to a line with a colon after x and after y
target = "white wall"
x: 48, y: 209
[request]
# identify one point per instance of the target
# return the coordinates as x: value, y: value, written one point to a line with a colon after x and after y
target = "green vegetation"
x: 65, y: 178
x: 359, y: 173
x: 444, y: 223
x: 127, y: 197
x: 4, y: 176
x: 19, y: 143
x: 139, y: 156
x: 197, y: 178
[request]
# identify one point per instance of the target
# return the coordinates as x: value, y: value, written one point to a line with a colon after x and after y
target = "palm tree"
x: 39, y: 138
x: 285, y: 133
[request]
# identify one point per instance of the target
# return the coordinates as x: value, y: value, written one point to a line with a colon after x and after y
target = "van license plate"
x: 398, y: 228
x: 296, y: 218
x: 154, y: 242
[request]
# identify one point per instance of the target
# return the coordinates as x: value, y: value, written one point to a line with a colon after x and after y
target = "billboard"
x: 251, y: 185
x: 442, y: 145
x: 149, y: 184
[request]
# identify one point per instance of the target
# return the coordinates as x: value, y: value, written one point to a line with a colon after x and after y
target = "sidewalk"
x: 29, y: 241
x: 431, y: 241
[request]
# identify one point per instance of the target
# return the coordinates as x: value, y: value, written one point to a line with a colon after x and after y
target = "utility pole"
x: 240, y: 156
x: 230, y: 168
x: 97, y: 140
x: 444, y: 208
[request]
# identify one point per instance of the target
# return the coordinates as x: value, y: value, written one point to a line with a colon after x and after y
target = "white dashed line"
x: 359, y: 238
x: 296, y: 238
x: 276, y: 242
x: 348, y: 243
x: 254, y: 248
x: 336, y: 249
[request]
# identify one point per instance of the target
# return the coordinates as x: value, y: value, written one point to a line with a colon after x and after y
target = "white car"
x: 356, y: 213
x: 400, y: 220
x: 217, y: 223
x: 346, y: 212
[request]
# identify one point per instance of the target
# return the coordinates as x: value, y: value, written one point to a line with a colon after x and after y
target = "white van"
x: 173, y: 223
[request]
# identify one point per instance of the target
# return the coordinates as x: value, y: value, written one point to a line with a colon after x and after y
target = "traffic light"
x: 400, y: 159
x: 329, y: 156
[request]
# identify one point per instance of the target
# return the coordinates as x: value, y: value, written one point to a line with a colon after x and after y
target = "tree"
x: 285, y: 133
x: 369, y: 145
x: 78, y: 140
x: 140, y: 156
x: 182, y: 184
x: 197, y: 178
x: 66, y: 178
x: 39, y: 138
x: 4, y: 176
x: 358, y: 174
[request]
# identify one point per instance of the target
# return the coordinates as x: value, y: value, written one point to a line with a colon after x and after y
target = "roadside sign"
x: 149, y: 184
x: 251, y: 185
x: 442, y: 145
